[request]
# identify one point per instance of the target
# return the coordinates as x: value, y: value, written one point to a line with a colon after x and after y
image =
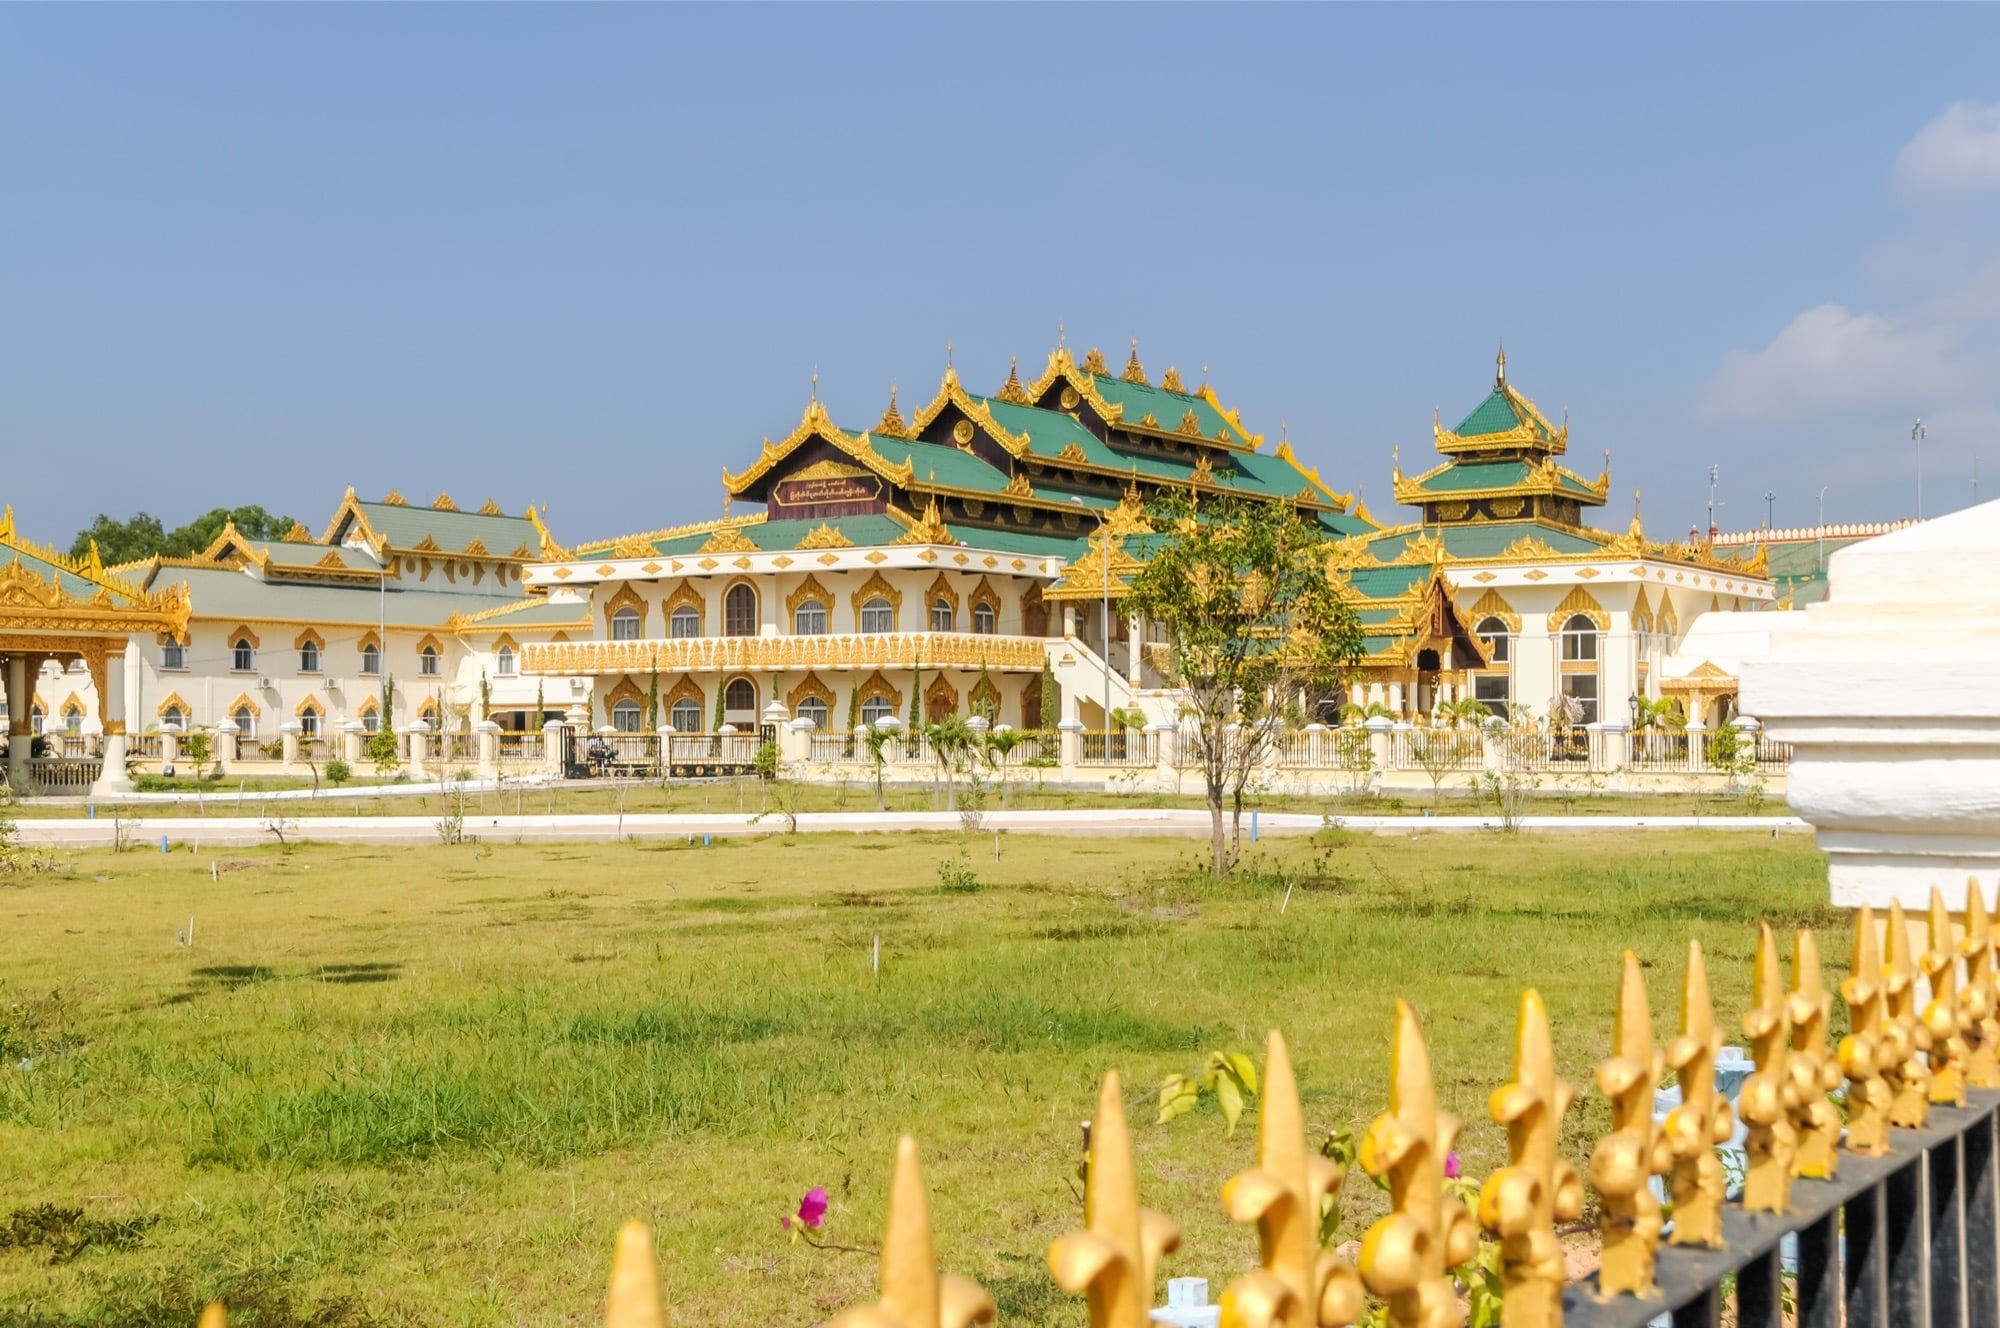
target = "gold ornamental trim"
x: 831, y: 652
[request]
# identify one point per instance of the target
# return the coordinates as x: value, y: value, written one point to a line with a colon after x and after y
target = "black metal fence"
x: 1896, y: 1241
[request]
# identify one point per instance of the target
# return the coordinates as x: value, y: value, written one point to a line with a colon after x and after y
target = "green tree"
x: 1051, y: 698
x: 1253, y: 619
x: 121, y: 541
x: 144, y: 535
x: 653, y: 697
x: 916, y: 696
x: 381, y: 746
x: 853, y: 707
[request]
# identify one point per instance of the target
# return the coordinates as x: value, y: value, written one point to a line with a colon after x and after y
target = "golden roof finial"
x: 1864, y: 1052
x: 7, y: 522
x: 891, y: 422
x: 1093, y: 363
x: 1942, y: 1015
x: 1500, y: 366
x: 1407, y: 1257
x: 1904, y: 1037
x: 1522, y: 1202
x: 93, y: 563
x: 1766, y: 1102
x: 1112, y: 1259
x: 1296, y: 1286
x: 443, y: 503
x: 1170, y: 381
x: 1981, y: 994
x: 1062, y: 337
x: 394, y: 498
x: 1134, y: 373
x: 1011, y: 390
x: 633, y: 1300
x: 1703, y: 1118
x: 914, y: 1295
x: 1624, y: 1160
x: 1815, y: 1071
x: 815, y: 385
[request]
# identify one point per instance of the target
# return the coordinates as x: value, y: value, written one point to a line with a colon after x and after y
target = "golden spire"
x: 1863, y: 1053
x: 1766, y: 1102
x: 1134, y: 373
x: 1703, y: 1118
x: 1942, y: 1015
x: 1981, y: 994
x: 1171, y: 381
x: 1011, y: 390
x: 395, y: 498
x: 1500, y: 367
x: 443, y: 503
x: 1297, y: 1284
x: 7, y: 522
x: 634, y: 1297
x: 490, y: 508
x: 1407, y: 1257
x: 914, y: 1295
x: 891, y: 422
x: 1522, y: 1202
x: 1904, y: 1038
x: 1111, y: 1261
x: 1815, y: 1073
x: 1624, y: 1160
x: 93, y: 562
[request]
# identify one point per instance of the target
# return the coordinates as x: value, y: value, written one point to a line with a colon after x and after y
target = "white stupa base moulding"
x: 1890, y: 696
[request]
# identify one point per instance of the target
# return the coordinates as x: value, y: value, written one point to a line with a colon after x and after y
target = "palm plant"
x: 1658, y: 712
x: 1352, y: 713
x: 1465, y: 711
x: 951, y: 740
x: 1000, y: 745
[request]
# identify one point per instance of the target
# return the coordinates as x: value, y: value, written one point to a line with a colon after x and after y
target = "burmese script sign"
x: 820, y: 490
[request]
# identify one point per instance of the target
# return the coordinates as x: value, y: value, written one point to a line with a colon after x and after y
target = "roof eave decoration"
x: 350, y: 510
x: 89, y: 568
x: 1062, y: 366
x: 927, y: 529
x: 1546, y: 479
x: 1340, y: 502
x: 815, y: 424
x: 644, y: 545
x: 1532, y: 432
x: 952, y: 393
x: 30, y: 602
x: 1086, y: 579
x: 551, y: 551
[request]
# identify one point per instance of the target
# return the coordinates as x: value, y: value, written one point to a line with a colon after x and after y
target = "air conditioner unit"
x: 330, y: 684
x: 267, y: 684
x: 578, y: 686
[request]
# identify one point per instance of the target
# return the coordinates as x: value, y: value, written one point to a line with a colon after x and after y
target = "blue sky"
x: 588, y: 256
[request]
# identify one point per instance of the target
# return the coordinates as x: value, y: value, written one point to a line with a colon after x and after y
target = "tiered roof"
x: 46, y: 591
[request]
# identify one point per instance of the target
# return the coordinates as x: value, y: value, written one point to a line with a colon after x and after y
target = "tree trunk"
x: 1235, y: 824
x: 1217, y: 844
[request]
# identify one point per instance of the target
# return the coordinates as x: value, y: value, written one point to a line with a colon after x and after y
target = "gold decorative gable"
x: 877, y: 588
x: 1071, y: 452
x: 1491, y: 605
x: 929, y: 529
x: 1020, y: 486
x: 809, y: 589
x: 815, y: 424
x: 940, y: 589
x: 1581, y: 601
x: 810, y: 686
x: 490, y: 508
x: 443, y: 503
x: 1528, y: 549
x: 1189, y: 427
x: 244, y: 701
x: 1129, y: 517
x: 1204, y: 473
x: 395, y: 498
x: 878, y: 687
x: 476, y: 549
x: 298, y: 534
x: 1642, y: 613
x: 891, y: 422
x: 624, y: 598
x: 332, y: 561
x: 1012, y: 390
x: 173, y: 701
x: 1421, y: 548
x: 1134, y: 371
x: 1093, y: 363
x: 686, y: 689
x: 825, y: 536
x: 729, y: 539
x: 1171, y: 381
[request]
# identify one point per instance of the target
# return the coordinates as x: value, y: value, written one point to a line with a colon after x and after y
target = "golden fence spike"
x: 1767, y: 1098
x: 1624, y: 1161
x: 1521, y: 1202
x: 1407, y: 1257
x: 634, y: 1297
x: 1864, y: 1052
x: 1296, y: 1285
x: 913, y: 1293
x: 1904, y: 1038
x: 1980, y: 998
x: 1942, y: 1015
x: 1112, y: 1259
x: 214, y: 1316
x: 1814, y: 1071
x: 1703, y: 1119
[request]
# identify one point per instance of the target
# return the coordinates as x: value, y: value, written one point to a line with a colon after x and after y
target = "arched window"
x: 1579, y: 639
x: 173, y: 655
x: 309, y: 657
x: 625, y: 624
x: 309, y: 724
x: 739, y: 611
x: 809, y: 619
x: 741, y: 694
x: 371, y: 721
x: 686, y: 717
x: 941, y: 615
x: 1496, y: 635
x: 984, y: 620
x: 625, y: 717
x: 246, y: 722
x: 814, y: 709
x: 243, y: 656
x: 503, y: 661
x: 72, y: 722
x: 427, y: 662
x: 371, y: 659
x: 36, y: 720
x: 877, y: 616
x: 685, y: 623
x: 873, y: 709
x: 175, y: 716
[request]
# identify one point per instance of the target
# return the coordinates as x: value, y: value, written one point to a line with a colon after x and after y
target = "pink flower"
x: 812, y: 1208
x: 1451, y: 1166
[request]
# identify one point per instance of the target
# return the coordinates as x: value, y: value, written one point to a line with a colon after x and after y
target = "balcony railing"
x: 846, y: 650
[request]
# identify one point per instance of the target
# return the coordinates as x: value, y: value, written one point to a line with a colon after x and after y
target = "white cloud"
x: 1958, y: 151
x: 1828, y: 356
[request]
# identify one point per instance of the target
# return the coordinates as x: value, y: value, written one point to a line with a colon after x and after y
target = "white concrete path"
x: 238, y: 831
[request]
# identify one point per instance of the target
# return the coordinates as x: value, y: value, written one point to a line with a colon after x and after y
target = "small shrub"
x: 338, y: 772
x: 956, y: 877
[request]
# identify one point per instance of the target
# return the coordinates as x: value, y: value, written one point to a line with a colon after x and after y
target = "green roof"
x: 289, y: 554
x: 1498, y: 414
x: 1168, y: 409
x: 1486, y: 539
x: 73, y: 585
x: 1461, y: 476
x: 228, y: 593
x: 940, y: 463
x: 1051, y: 431
x: 406, y: 527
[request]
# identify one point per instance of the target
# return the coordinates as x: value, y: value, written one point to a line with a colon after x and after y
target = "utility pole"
x: 1770, y: 505
x: 1917, y: 432
x: 1714, y: 475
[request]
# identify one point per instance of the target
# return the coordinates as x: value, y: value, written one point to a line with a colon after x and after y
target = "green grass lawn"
x: 425, y: 1085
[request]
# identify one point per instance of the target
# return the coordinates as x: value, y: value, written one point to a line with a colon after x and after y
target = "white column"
x: 170, y: 746
x: 489, y: 748
x: 1071, y: 731
x: 552, y: 745
x: 1069, y: 619
x: 111, y: 777
x: 353, y: 737
x: 225, y: 744
x: 1132, y: 629
x: 288, y: 734
x: 419, y: 734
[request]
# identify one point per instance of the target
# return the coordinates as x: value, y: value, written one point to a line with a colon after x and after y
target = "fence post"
x: 170, y: 745
x: 489, y: 748
x: 1071, y: 731
x: 417, y: 732
x: 1614, y: 746
x: 351, y: 740
x: 1378, y: 740
x: 225, y: 745
x: 288, y: 733
x: 1697, y: 736
x: 552, y: 747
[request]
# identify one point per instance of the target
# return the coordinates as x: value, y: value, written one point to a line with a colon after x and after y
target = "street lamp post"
x: 1770, y: 505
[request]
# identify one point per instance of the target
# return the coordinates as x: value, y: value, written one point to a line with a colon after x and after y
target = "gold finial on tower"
x: 1112, y: 1259
x: 1980, y: 997
x: 1815, y: 1073
x: 1012, y: 390
x: 1767, y: 1099
x: 1134, y: 373
x: 1500, y: 366
x: 1703, y: 1119
x: 1522, y: 1202
x: 1298, y: 1285
x: 1062, y: 337
x: 1942, y: 1016
x: 633, y: 1300
x: 1407, y: 1257
x: 891, y: 422
x: 1904, y: 1037
x: 1624, y: 1161
x: 1864, y: 1053
x: 1170, y: 381
x: 914, y: 1294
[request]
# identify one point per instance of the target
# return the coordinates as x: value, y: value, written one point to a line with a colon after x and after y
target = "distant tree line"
x: 144, y: 535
